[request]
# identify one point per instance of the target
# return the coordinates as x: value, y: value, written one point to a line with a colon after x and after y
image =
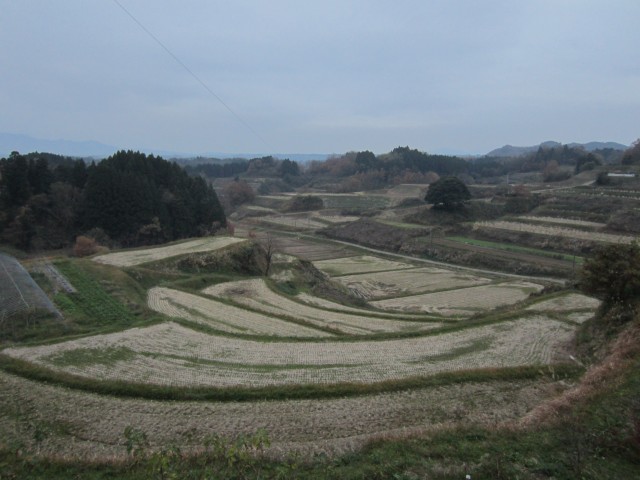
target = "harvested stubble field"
x: 220, y: 316
x: 256, y: 295
x: 358, y: 264
x: 410, y: 281
x: 360, y: 201
x: 173, y: 355
x: 329, y: 305
x: 554, y: 231
x: 462, y: 301
x: 294, y: 221
x: 93, y: 427
x: 326, y: 218
x: 562, y: 221
x: 567, y: 303
x: 405, y: 191
x: 137, y: 257
x: 307, y: 249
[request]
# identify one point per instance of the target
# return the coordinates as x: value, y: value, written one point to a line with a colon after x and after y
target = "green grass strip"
x: 235, y: 394
x: 516, y: 248
x: 91, y: 298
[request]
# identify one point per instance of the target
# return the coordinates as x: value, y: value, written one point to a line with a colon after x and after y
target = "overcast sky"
x: 321, y: 76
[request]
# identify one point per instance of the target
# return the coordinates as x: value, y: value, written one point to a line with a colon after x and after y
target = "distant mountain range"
x: 511, y: 151
x: 25, y: 144
x: 10, y: 142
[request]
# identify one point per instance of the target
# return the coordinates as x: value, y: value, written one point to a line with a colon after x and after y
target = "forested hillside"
x: 127, y: 199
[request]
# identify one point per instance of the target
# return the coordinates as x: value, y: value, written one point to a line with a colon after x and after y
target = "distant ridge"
x: 10, y: 142
x: 511, y: 151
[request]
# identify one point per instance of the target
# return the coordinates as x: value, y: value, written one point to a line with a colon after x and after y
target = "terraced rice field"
x: 405, y: 191
x: 355, y: 200
x: 329, y: 305
x: 93, y: 427
x: 257, y: 337
x: 309, y: 250
x: 297, y: 222
x: 394, y: 283
x: 462, y: 301
x: 566, y: 303
x: 358, y: 264
x: 136, y: 257
x: 170, y: 354
x: 335, y: 218
x: 554, y: 231
x: 255, y: 295
x: 561, y: 221
x: 227, y: 318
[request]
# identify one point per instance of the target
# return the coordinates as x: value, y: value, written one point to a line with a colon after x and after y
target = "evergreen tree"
x: 14, y: 184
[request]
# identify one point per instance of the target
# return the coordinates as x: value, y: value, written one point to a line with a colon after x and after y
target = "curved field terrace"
x: 235, y: 337
x: 137, y: 257
x: 462, y: 301
x: 170, y: 354
x: 255, y: 295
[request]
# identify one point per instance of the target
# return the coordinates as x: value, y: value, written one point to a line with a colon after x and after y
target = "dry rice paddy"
x: 255, y: 295
x: 555, y: 231
x: 462, y: 301
x: 170, y: 354
x: 359, y: 264
x: 396, y: 283
x: 329, y: 305
x: 227, y: 318
x: 310, y: 250
x: 566, y: 303
x: 335, y: 218
x: 94, y: 424
x: 296, y: 222
x: 250, y: 352
x: 561, y: 221
x: 136, y: 257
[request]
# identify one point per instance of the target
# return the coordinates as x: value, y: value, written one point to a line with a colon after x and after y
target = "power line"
x: 190, y: 72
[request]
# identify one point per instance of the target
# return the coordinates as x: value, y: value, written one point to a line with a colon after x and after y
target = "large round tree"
x: 448, y: 193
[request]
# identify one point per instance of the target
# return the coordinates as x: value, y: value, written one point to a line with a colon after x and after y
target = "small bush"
x: 85, y: 246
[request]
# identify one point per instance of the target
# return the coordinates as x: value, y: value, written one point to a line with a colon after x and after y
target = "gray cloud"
x: 322, y: 76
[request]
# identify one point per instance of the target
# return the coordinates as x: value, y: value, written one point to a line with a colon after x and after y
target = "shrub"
x: 85, y: 246
x: 613, y: 274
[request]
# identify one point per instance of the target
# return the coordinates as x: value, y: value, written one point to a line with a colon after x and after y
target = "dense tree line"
x: 218, y: 170
x: 547, y: 160
x: 365, y: 170
x: 269, y: 167
x: 632, y: 155
x: 127, y: 199
x: 272, y: 167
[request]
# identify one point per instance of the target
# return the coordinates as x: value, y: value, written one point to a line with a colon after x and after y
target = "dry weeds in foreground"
x: 605, y: 375
x: 93, y: 425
